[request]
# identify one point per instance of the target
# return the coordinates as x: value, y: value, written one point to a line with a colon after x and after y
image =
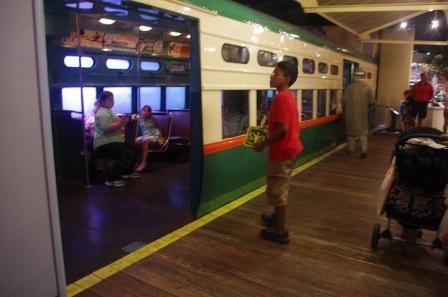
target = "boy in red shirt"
x: 284, y: 146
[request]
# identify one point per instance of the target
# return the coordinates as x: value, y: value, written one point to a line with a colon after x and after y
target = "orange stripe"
x: 318, y: 121
x: 229, y: 143
x: 225, y: 144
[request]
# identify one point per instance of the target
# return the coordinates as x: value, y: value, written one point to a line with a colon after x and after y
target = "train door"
x: 144, y: 56
x: 349, y: 69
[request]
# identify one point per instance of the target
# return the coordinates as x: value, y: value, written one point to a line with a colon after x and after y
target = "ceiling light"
x: 188, y: 36
x: 144, y: 28
x: 435, y: 24
x: 428, y: 53
x: 403, y: 25
x: 106, y: 21
x: 174, y: 33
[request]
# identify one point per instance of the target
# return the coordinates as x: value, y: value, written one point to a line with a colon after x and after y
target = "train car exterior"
x: 225, y: 169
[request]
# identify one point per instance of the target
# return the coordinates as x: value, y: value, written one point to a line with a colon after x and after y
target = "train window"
x: 235, y: 113
x: 322, y: 67
x: 308, y: 66
x: 175, y: 97
x: 235, y: 54
x: 334, y: 69
x: 369, y: 75
x: 150, y: 96
x: 291, y: 59
x: 321, y: 103
x: 176, y: 67
x: 307, y: 105
x: 264, y: 100
x: 121, y: 64
x: 71, y: 99
x: 122, y: 98
x: 266, y: 58
x: 333, y: 101
x: 73, y: 61
x: 150, y: 66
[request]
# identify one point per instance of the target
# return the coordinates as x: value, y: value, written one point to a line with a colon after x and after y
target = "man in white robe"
x: 357, y: 100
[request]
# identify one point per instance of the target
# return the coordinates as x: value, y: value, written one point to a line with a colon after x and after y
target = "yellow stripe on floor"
x: 103, y: 273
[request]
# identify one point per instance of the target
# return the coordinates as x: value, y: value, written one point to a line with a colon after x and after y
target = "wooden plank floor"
x: 330, y: 216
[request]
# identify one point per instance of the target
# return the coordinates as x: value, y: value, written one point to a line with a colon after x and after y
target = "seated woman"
x: 150, y: 134
x: 109, y: 141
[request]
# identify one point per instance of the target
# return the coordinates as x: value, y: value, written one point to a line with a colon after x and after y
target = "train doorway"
x: 349, y: 69
x: 144, y: 56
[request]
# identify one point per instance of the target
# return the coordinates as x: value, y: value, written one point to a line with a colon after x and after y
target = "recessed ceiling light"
x: 435, y: 24
x: 106, y: 21
x: 144, y: 28
x: 188, y: 36
x: 403, y: 25
x: 174, y: 33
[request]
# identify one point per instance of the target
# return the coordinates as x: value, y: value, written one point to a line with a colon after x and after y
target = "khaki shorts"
x: 278, y: 176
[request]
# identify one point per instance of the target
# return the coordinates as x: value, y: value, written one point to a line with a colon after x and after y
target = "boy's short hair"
x: 289, y: 69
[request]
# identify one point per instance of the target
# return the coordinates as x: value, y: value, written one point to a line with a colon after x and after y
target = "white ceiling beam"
x: 366, y: 34
x: 309, y: 8
x: 393, y: 41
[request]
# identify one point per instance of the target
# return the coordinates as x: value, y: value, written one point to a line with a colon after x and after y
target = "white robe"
x: 357, y: 100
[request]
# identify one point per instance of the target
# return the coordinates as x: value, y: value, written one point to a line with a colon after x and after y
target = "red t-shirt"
x: 284, y: 111
x: 422, y: 92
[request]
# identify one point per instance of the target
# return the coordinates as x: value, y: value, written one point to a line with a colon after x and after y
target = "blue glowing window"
x: 150, y: 96
x: 118, y: 64
x: 150, y: 66
x: 82, y: 5
x: 71, y: 99
x: 175, y: 97
x: 122, y: 99
x: 73, y: 61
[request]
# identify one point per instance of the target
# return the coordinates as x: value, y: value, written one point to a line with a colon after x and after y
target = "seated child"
x: 150, y: 134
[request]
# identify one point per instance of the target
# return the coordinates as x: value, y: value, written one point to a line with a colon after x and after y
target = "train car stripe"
x: 103, y: 273
x: 229, y: 143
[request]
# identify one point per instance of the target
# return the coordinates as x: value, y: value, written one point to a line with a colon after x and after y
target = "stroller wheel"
x: 375, y: 236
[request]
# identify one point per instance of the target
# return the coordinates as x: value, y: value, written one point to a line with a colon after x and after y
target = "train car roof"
x: 246, y: 14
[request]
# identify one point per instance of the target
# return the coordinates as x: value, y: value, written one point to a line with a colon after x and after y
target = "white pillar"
x: 394, y: 70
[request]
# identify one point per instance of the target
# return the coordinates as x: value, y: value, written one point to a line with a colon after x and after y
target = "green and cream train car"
x: 210, y: 59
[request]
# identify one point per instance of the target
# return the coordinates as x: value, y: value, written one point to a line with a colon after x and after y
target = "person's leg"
x: 351, y: 141
x: 363, y: 140
x: 278, y: 176
x: 280, y: 215
x: 111, y: 151
x: 144, y: 155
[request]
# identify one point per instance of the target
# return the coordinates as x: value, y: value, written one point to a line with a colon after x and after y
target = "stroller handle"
x: 405, y: 138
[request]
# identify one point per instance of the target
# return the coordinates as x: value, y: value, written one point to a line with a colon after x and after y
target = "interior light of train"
x: 174, y: 33
x: 188, y: 36
x: 85, y: 5
x: 403, y: 25
x: 150, y: 66
x: 106, y: 49
x: 144, y: 28
x: 73, y: 61
x: 116, y: 11
x: 435, y: 24
x: 118, y: 64
x: 148, y: 17
x: 106, y: 21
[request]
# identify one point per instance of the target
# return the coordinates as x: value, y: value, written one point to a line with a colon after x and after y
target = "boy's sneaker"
x: 131, y: 176
x: 116, y: 183
x: 268, y: 220
x: 274, y: 235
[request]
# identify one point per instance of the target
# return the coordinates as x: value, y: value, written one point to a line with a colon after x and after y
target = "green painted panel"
x: 246, y: 14
x: 235, y: 172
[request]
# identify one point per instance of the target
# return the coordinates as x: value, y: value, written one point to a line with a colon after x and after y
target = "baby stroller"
x: 414, y: 194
